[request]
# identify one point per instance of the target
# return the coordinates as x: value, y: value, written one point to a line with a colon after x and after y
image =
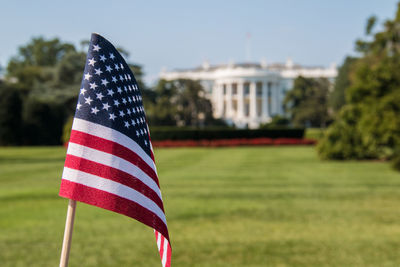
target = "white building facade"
x: 247, y: 95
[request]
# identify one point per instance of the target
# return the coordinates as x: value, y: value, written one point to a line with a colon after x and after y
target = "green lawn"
x: 258, y: 206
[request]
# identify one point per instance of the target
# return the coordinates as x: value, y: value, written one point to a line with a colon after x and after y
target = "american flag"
x: 110, y: 160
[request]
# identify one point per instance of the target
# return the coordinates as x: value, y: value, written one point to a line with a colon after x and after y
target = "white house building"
x: 248, y: 94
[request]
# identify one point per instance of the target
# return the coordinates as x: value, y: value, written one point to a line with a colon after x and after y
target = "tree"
x: 182, y: 103
x: 47, y: 73
x: 194, y: 109
x: 10, y: 115
x: 337, y: 99
x: 42, y: 122
x: 68, y: 71
x: 368, y: 126
x: 306, y: 103
x: 34, y: 61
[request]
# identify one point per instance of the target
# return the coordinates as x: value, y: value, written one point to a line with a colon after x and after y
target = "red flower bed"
x: 233, y: 142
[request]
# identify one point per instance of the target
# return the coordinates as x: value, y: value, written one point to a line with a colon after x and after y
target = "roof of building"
x: 247, y: 65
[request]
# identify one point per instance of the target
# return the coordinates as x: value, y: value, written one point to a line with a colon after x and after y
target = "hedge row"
x: 234, y: 142
x: 215, y: 134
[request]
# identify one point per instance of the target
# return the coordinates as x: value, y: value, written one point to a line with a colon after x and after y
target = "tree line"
x: 39, y: 94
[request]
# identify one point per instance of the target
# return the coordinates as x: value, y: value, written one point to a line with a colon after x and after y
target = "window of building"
x: 234, y: 88
x: 234, y: 105
x: 259, y: 88
x: 246, y: 109
x: 269, y: 97
x: 259, y: 107
x: 246, y: 88
x: 224, y: 89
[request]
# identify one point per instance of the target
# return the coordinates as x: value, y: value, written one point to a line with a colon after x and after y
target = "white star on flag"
x: 98, y: 71
x: 99, y: 96
x: 104, y: 82
x: 88, y: 100
x: 96, y: 48
x: 93, y: 85
x: 112, y: 116
x: 87, y: 76
x: 91, y: 62
x: 110, y: 92
x: 94, y: 110
x: 106, y: 106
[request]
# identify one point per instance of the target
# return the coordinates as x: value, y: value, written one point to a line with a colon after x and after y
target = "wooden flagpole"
x: 69, y: 226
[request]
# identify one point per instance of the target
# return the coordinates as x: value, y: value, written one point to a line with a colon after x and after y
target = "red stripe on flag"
x: 168, y: 262
x: 113, y: 174
x: 113, y: 148
x: 112, y: 202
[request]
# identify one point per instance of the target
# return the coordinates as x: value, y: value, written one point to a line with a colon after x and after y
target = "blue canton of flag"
x: 110, y: 95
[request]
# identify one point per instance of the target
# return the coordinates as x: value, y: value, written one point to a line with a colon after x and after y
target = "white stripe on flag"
x: 114, y: 162
x: 112, y: 187
x: 158, y: 241
x: 165, y: 248
x: 112, y: 135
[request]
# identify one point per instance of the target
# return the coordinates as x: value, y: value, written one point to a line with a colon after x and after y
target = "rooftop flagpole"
x: 69, y: 226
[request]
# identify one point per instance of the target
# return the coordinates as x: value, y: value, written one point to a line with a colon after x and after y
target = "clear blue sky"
x: 182, y: 34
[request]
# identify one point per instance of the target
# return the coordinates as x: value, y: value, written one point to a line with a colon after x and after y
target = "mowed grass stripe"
x: 246, y: 206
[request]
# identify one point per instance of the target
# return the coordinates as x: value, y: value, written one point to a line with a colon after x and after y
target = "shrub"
x: 342, y: 140
x: 364, y: 131
x: 222, y: 133
x: 314, y: 133
x: 233, y: 142
x: 213, y: 133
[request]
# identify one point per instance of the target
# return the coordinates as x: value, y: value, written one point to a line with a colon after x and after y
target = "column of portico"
x: 264, y: 97
x: 278, y: 100
x: 240, y: 87
x: 229, y: 99
x: 219, y: 91
x: 253, y: 100
x: 274, y: 107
